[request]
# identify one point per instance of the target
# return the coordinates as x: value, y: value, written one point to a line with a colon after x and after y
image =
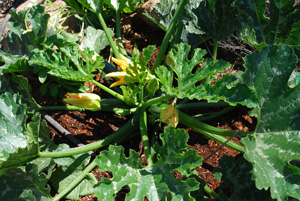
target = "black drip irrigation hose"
x: 62, y: 130
x: 15, y: 4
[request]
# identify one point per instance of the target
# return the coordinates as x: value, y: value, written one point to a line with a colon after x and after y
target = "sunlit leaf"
x: 156, y: 182
x: 70, y: 63
x: 275, y: 142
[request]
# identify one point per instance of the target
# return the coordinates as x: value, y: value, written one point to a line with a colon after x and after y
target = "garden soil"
x: 93, y: 126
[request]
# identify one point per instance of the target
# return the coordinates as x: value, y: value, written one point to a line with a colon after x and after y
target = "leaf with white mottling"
x: 12, y: 123
x: 276, y: 140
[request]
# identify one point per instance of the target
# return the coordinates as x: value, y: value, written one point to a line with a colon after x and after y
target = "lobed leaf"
x: 273, y: 149
x: 20, y: 183
x: 277, y: 24
x: 19, y: 43
x: 209, y: 19
x: 70, y: 63
x: 236, y: 175
x: 155, y: 182
x: 190, y: 81
x: 12, y: 123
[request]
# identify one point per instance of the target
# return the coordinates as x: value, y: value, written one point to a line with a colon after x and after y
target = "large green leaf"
x: 17, y: 84
x: 280, y: 25
x: 164, y: 9
x: 70, y: 63
x: 92, y: 5
x: 208, y: 19
x: 95, y: 39
x: 229, y: 89
x: 12, y: 123
x: 236, y: 175
x: 268, y: 73
x: 28, y: 182
x: 21, y: 184
x: 13, y: 63
x: 157, y: 181
x: 20, y: 41
x: 25, y: 147
x: 68, y: 169
x: 21, y: 37
x: 274, y: 146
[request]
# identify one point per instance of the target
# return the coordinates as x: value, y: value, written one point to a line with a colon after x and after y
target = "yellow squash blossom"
x: 87, y: 101
x: 123, y: 63
x: 169, y: 116
x: 119, y: 74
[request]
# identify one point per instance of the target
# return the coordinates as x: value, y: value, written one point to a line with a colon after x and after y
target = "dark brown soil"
x: 92, y: 126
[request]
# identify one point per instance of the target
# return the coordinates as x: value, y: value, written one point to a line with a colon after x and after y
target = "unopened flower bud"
x: 169, y: 116
x: 87, y: 101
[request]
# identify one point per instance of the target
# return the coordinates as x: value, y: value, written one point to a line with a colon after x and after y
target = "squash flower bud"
x: 169, y: 116
x: 87, y: 101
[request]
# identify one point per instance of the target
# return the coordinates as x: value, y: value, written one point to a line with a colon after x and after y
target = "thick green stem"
x: 130, y: 127
x: 210, y: 131
x: 154, y: 101
x: 210, y: 192
x: 59, y: 107
x: 200, y: 105
x: 109, y: 37
x: 108, y: 90
x: 215, y: 49
x: 144, y: 135
x: 166, y: 40
x: 118, y: 31
x: 76, y: 181
x: 215, y: 114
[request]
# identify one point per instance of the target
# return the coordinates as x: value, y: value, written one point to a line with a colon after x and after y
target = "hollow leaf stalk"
x: 144, y: 135
x: 75, y: 182
x: 215, y: 49
x: 109, y: 37
x: 128, y: 128
x: 118, y: 32
x: 209, y: 131
x: 165, y: 43
x: 108, y: 90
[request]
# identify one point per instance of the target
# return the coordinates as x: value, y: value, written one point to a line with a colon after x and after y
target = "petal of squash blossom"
x: 169, y: 116
x: 119, y: 74
x: 123, y: 63
x: 87, y: 101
